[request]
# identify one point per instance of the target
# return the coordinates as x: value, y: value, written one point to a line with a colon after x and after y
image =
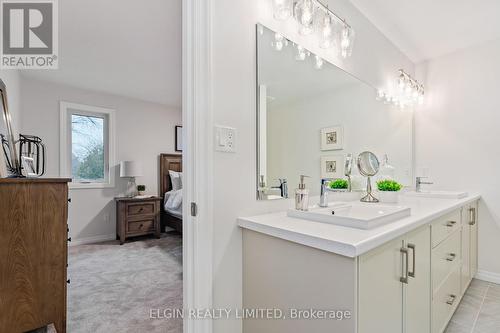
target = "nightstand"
x: 137, y: 217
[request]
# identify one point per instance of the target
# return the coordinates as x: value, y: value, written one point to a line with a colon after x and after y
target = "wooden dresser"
x: 137, y: 217
x: 33, y: 254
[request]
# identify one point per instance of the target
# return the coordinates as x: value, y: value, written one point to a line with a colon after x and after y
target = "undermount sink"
x: 355, y: 215
x: 438, y: 194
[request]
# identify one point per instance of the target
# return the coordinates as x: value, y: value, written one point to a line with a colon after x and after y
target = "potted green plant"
x: 141, y: 189
x: 339, y: 191
x: 388, y: 190
x: 339, y: 185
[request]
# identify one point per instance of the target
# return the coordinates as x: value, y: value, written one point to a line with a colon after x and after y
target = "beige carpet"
x: 113, y: 287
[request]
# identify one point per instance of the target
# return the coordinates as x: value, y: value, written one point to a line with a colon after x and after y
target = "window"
x: 87, y: 145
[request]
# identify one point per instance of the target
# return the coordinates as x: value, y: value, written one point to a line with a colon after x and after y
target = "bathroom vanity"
x: 397, y: 268
x: 405, y: 276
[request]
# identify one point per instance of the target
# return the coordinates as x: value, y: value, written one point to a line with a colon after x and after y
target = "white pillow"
x: 176, y: 178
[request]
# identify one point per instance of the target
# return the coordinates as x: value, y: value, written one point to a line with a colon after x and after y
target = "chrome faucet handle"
x: 323, y: 199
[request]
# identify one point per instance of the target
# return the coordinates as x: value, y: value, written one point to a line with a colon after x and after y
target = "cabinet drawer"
x: 446, y: 301
x: 445, y: 257
x: 146, y: 225
x: 141, y: 208
x: 445, y: 226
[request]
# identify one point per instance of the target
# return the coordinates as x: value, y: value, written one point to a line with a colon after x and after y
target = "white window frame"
x: 67, y: 109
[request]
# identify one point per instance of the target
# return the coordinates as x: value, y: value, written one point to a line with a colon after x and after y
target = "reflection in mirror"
x: 311, y: 115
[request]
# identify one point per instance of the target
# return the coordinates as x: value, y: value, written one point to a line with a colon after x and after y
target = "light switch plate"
x: 225, y: 139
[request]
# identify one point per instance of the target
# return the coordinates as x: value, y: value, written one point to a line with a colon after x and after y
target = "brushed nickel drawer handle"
x: 451, y: 300
x: 451, y: 257
x: 404, y: 278
x: 451, y: 223
x: 472, y: 216
x: 413, y: 248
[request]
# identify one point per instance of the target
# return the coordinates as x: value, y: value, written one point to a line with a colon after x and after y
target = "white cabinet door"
x: 418, y: 289
x: 380, y: 293
x: 473, y: 239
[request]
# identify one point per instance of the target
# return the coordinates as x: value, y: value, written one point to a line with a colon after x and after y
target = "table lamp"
x: 130, y: 170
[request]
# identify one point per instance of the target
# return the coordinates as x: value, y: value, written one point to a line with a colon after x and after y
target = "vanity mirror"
x: 311, y: 115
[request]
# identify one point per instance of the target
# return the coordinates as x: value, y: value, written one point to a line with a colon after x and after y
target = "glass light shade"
x: 326, y: 30
x: 279, y: 42
x: 304, y: 14
x: 301, y: 53
x: 282, y: 9
x: 319, y: 63
x: 347, y: 36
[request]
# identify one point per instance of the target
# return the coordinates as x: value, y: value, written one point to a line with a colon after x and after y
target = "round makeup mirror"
x: 368, y: 165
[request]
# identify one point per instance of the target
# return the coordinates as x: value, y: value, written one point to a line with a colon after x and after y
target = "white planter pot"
x: 344, y: 196
x: 388, y: 196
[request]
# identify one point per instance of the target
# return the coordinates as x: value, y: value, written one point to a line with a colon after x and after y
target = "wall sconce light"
x: 409, y: 92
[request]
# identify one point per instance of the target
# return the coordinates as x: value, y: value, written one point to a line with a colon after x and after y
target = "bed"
x: 170, y: 217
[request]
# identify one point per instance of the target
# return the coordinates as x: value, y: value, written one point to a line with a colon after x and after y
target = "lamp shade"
x: 130, y: 169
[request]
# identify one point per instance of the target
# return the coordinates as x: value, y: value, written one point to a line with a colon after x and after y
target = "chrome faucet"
x: 419, y: 183
x: 323, y: 199
x: 283, y: 188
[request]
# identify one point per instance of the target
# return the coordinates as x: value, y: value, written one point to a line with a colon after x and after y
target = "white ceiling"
x: 127, y: 47
x: 427, y: 29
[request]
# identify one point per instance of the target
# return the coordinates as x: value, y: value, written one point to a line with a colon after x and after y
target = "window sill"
x: 81, y: 186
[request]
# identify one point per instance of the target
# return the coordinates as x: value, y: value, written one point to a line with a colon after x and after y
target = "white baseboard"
x: 488, y: 276
x: 93, y: 239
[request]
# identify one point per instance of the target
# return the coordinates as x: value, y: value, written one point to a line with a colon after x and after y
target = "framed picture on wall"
x: 178, y: 138
x: 332, y: 166
x: 332, y: 138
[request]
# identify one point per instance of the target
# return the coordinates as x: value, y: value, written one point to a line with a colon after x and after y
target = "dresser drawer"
x: 445, y: 301
x: 445, y: 258
x: 146, y: 225
x: 445, y: 226
x: 140, y: 208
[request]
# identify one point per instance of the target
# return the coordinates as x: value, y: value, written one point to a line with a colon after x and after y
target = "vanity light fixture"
x: 319, y: 62
x: 301, y: 53
x: 326, y: 31
x: 314, y: 16
x: 409, y: 92
x: 279, y: 42
x: 282, y: 9
x: 304, y: 14
x: 346, y: 41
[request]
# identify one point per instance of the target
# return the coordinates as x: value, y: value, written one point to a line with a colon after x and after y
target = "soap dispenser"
x: 302, y: 195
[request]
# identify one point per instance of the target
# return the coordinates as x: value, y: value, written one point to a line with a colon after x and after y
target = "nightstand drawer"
x: 141, y: 226
x: 141, y: 208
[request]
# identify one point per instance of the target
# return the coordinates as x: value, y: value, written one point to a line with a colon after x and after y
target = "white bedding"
x: 173, y: 203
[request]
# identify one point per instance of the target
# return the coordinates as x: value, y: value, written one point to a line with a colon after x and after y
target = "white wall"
x: 143, y: 131
x: 458, y: 135
x: 375, y: 60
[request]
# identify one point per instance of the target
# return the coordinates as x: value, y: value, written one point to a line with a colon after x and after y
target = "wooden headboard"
x: 168, y: 162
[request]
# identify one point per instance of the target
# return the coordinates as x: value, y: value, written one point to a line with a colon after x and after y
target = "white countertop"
x: 347, y: 241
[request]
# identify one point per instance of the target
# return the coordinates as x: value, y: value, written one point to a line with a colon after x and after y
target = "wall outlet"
x: 225, y: 139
